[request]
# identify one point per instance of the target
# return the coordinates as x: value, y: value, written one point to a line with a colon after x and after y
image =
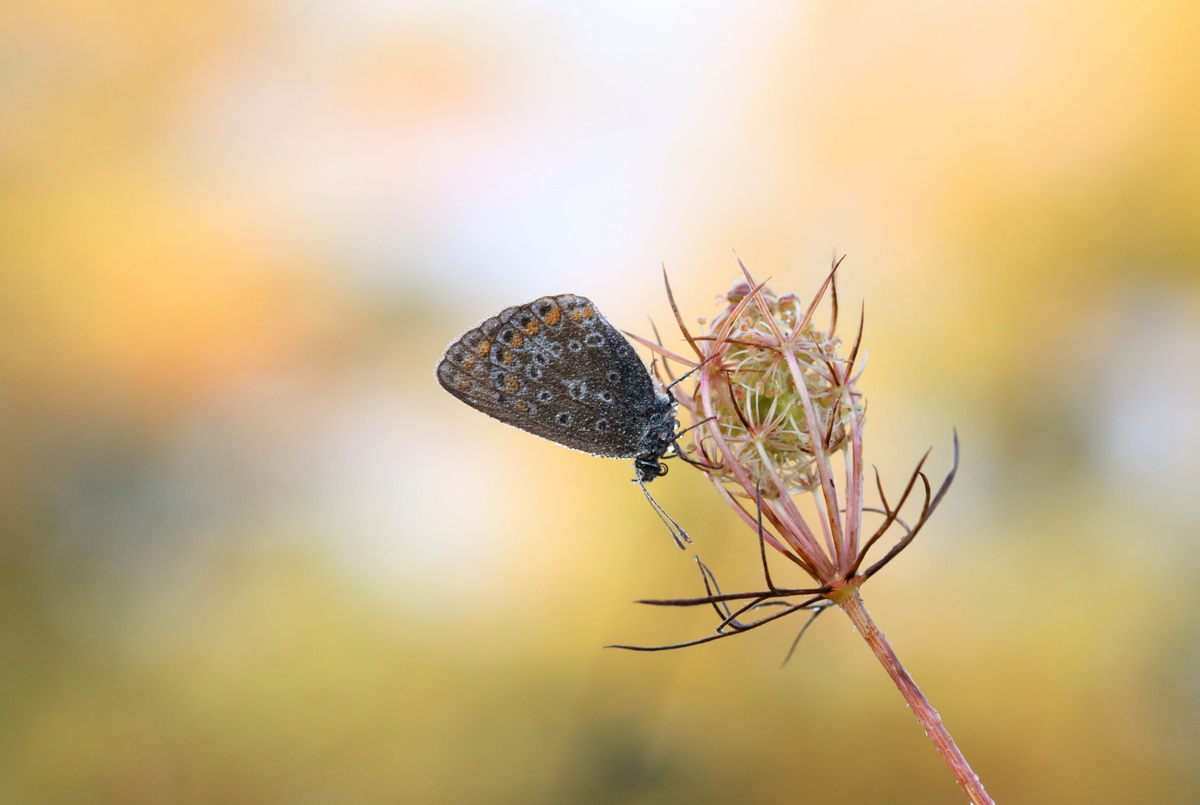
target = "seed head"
x: 756, y: 400
x: 773, y: 405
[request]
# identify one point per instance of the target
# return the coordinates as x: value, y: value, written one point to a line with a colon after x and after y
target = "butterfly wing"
x: 556, y: 368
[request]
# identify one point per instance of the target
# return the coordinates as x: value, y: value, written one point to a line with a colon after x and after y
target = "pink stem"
x: 854, y: 480
x: 820, y: 459
x: 852, y: 605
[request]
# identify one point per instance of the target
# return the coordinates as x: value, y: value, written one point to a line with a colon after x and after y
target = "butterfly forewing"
x: 556, y: 368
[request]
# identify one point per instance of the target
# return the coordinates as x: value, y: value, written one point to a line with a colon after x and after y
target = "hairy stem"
x: 852, y: 605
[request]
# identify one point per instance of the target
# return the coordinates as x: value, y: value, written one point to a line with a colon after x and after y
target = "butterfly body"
x: 557, y: 369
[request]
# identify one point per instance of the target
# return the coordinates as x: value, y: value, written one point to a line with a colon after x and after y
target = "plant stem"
x: 852, y: 605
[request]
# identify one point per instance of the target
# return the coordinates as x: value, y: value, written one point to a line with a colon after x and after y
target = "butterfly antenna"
x: 691, y: 428
x: 689, y: 373
x: 676, y: 530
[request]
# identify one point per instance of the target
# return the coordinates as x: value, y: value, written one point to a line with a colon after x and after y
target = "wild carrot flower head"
x: 758, y: 408
x: 779, y: 417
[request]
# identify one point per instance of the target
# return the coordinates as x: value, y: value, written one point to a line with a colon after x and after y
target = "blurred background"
x: 251, y: 553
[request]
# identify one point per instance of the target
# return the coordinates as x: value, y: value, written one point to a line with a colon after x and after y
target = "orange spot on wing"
x: 483, y: 347
x: 464, y: 384
x: 468, y: 362
x: 553, y: 316
x: 531, y: 328
x: 511, y: 384
x: 517, y: 340
x: 522, y: 406
x: 584, y: 312
x: 508, y: 357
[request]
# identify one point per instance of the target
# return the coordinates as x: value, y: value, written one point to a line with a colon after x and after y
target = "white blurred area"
x: 486, y: 153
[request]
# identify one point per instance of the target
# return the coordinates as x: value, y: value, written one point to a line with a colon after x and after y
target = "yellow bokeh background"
x: 251, y: 553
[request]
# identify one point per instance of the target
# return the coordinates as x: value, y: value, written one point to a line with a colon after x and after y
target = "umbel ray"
x: 814, y: 598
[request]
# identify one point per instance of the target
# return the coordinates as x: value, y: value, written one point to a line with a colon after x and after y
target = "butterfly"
x: 557, y: 369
